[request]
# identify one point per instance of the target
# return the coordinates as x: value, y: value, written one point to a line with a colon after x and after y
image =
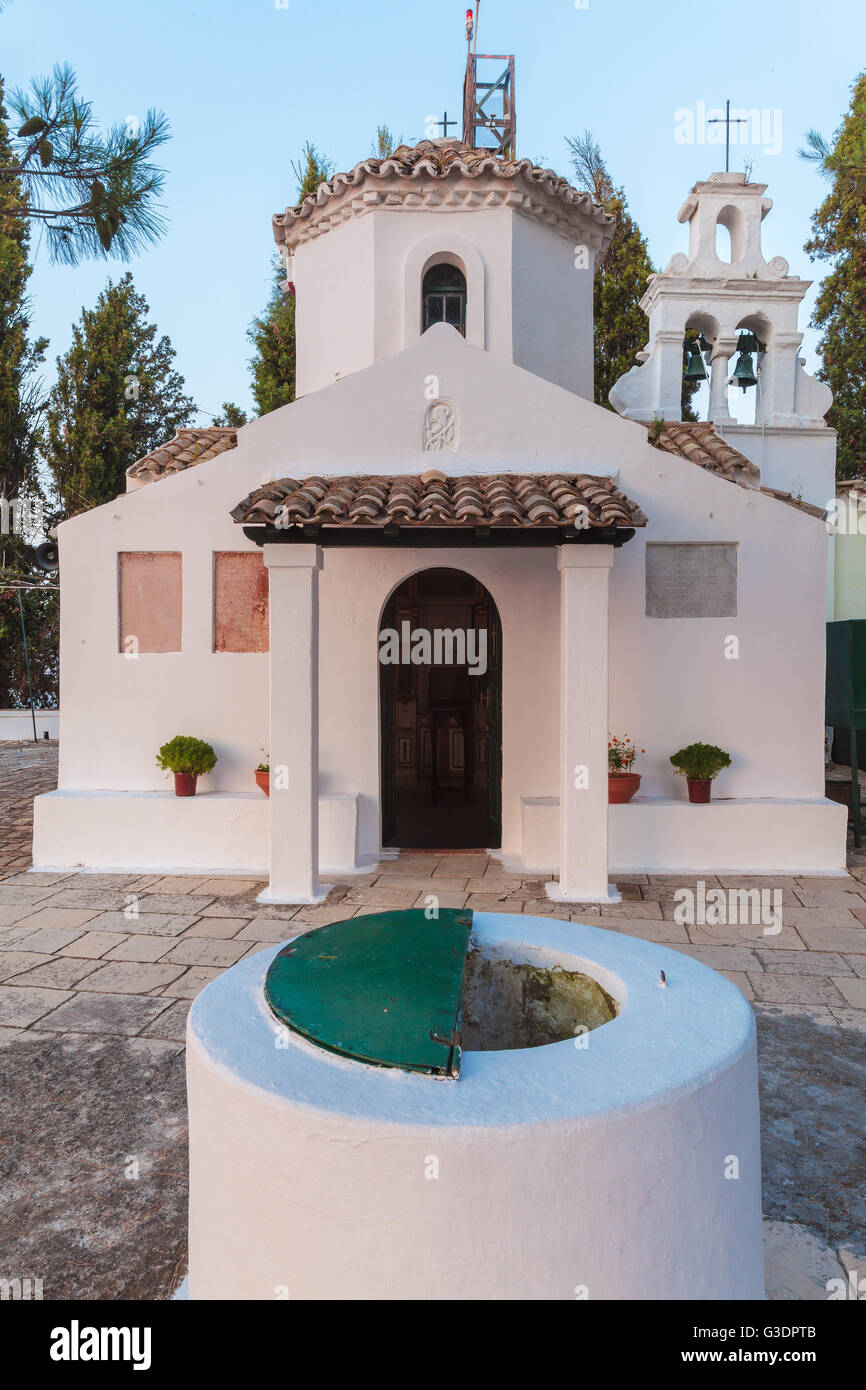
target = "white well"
x: 622, y: 1163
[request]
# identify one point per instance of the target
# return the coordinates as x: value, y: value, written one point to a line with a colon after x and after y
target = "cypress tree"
x: 272, y: 334
x: 620, y: 325
x: 116, y: 398
x: 839, y: 237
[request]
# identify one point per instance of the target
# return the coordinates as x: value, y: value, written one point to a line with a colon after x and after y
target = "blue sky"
x: 244, y: 83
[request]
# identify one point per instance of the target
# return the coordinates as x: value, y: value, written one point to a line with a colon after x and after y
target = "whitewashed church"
x: 427, y: 590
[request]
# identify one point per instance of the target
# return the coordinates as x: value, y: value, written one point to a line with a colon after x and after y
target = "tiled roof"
x: 443, y: 162
x: 851, y: 487
x: 188, y: 447
x: 792, y: 501
x: 700, y: 444
x: 494, y: 499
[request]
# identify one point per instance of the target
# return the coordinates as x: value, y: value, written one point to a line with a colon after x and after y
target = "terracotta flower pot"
x: 621, y: 787
x: 263, y: 782
x: 699, y: 789
x: 184, y: 783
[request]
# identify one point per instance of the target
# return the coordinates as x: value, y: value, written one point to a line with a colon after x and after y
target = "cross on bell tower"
x: 727, y: 122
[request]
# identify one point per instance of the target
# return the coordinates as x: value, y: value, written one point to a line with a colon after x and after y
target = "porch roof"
x: 581, y: 505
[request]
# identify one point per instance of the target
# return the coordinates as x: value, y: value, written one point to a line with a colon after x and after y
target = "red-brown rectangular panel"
x: 240, y: 602
x: 150, y: 592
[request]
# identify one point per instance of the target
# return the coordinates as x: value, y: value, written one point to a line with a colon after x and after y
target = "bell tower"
x: 730, y: 305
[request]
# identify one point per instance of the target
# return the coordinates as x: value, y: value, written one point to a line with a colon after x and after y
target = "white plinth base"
x: 668, y: 835
x: 210, y: 832
x: 557, y: 894
x: 268, y: 895
x: 597, y: 1168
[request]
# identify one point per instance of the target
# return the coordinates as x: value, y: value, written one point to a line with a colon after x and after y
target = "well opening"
x: 512, y: 1004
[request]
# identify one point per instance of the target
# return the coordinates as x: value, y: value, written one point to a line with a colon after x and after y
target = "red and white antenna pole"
x: 472, y: 27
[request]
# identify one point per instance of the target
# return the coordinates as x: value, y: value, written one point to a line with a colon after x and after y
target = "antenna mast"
x: 489, y: 115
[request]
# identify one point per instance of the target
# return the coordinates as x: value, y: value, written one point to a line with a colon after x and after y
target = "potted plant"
x: 263, y: 776
x: 189, y: 759
x: 622, y: 783
x: 699, y: 764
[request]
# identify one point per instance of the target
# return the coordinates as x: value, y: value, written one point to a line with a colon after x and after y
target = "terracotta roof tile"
x: 700, y: 444
x: 188, y: 447
x: 441, y: 161
x: 432, y: 499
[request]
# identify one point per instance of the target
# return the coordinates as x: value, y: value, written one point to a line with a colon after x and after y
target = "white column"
x: 293, y: 575
x: 720, y: 363
x: 583, y: 677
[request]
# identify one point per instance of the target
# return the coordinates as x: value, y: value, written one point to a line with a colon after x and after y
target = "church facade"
x: 426, y: 591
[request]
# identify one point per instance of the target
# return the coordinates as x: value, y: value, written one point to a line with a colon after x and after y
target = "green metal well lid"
x: 383, y: 989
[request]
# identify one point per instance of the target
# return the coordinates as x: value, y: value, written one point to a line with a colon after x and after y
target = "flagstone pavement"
x: 97, y: 973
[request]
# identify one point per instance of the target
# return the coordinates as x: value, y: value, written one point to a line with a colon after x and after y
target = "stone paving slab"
x: 221, y: 928
x: 93, y: 944
x: 10, y: 915
x: 852, y: 989
x: 103, y: 899
x: 189, y: 983
x: 788, y: 939
x: 146, y: 924
x: 21, y: 1005
x: 171, y: 1023
x: 205, y: 950
x: 14, y: 962
x: 140, y: 948
x: 134, y: 977
x: 795, y: 989
x: 56, y: 972
x: 782, y: 962
x: 18, y: 895
x: 49, y: 939
x: 123, y: 1014
x: 61, y: 917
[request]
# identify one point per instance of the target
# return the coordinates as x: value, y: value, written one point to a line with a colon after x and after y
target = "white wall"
x: 334, y: 305
x: 552, y: 298
x: 802, y: 462
x: 18, y: 724
x: 671, y: 683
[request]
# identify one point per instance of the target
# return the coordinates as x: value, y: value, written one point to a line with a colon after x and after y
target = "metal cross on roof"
x: 727, y: 122
x: 445, y: 123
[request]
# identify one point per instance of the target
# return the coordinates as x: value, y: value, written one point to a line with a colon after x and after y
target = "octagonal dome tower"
x: 502, y: 249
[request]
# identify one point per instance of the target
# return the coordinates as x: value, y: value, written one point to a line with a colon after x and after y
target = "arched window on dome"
x: 443, y: 297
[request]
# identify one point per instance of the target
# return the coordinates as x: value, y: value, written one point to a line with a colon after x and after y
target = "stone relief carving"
x: 440, y: 428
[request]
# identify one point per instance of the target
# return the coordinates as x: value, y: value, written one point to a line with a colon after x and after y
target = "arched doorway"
x: 440, y: 689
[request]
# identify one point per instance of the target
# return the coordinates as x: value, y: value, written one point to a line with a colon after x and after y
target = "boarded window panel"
x: 150, y: 594
x: 691, y: 581
x: 240, y: 602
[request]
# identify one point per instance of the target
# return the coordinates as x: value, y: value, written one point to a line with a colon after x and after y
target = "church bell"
x: 695, y: 369
x: 744, y: 372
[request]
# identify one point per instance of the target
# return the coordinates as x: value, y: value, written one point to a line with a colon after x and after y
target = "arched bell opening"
x: 440, y: 696
x: 698, y: 339
x: 730, y: 235
x: 748, y: 377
